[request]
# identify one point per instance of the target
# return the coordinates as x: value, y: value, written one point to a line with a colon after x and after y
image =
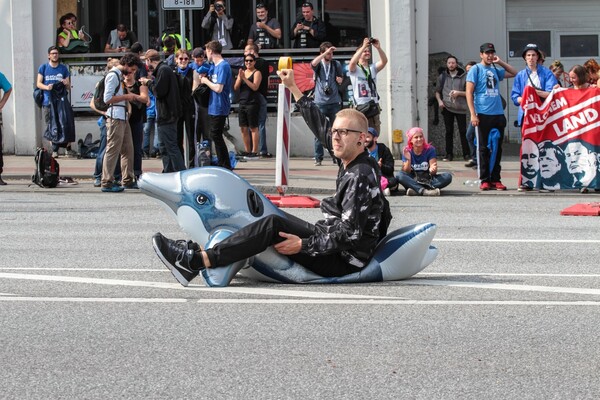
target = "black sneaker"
x: 177, y: 257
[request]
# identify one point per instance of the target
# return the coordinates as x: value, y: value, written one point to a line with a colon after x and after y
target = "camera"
x: 219, y: 7
x: 327, y: 90
x: 372, y: 40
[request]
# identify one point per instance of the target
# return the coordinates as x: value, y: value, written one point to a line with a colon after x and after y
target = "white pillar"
x: 30, y: 27
x: 402, y: 84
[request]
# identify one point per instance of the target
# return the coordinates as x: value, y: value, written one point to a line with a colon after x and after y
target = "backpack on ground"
x: 88, y: 147
x: 99, y: 93
x: 46, y: 169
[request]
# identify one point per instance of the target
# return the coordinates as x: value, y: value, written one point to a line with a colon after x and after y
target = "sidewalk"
x: 304, y: 177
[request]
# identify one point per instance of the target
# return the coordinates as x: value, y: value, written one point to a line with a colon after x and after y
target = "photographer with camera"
x: 363, y: 76
x: 309, y: 31
x: 328, y: 76
x: 266, y: 32
x: 219, y: 24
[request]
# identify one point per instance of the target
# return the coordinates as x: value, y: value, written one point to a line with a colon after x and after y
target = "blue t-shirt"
x: 52, y: 75
x: 486, y: 94
x: 220, y: 103
x: 421, y: 162
x: 4, y: 83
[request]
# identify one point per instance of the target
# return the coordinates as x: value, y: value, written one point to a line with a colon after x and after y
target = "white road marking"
x: 508, y: 274
x: 353, y: 302
x: 501, y: 286
x: 177, y: 286
x: 92, y: 300
x: 83, y: 269
x: 561, y: 241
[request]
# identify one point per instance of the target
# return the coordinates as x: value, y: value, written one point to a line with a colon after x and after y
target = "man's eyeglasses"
x: 249, y: 60
x: 343, y: 132
x: 54, y: 53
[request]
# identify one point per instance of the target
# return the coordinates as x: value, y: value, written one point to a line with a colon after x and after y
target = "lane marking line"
x: 93, y: 300
x: 508, y: 274
x: 561, y: 241
x: 352, y: 302
x: 501, y: 286
x: 177, y: 286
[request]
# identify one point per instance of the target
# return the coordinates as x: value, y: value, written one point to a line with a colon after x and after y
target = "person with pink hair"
x: 419, y: 174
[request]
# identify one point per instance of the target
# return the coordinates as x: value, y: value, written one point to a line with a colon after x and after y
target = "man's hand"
x: 291, y: 245
x: 287, y: 77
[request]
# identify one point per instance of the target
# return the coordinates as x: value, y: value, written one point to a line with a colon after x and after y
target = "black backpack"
x: 46, y: 169
x: 99, y: 93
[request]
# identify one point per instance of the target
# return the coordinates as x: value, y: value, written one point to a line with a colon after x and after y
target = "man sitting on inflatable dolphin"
x: 342, y: 243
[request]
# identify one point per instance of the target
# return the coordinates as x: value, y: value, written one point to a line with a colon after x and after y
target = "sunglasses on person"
x: 183, y: 59
x: 249, y: 60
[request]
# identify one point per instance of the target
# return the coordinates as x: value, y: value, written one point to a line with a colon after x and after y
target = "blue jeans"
x: 169, y: 150
x: 149, y: 130
x: 471, y: 141
x: 262, y: 129
x: 329, y: 110
x: 100, y: 156
x: 438, y: 181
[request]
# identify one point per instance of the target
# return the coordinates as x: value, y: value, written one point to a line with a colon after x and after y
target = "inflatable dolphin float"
x: 210, y: 203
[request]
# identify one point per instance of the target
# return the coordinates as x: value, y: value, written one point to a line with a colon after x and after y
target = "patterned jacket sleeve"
x: 316, y: 121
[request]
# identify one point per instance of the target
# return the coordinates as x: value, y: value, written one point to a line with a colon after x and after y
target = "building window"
x: 579, y: 45
x: 518, y: 40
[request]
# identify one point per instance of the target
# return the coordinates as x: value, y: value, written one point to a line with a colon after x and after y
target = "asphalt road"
x: 509, y: 310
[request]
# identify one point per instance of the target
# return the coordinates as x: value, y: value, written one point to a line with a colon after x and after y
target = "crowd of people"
x: 164, y: 105
x: 478, y: 84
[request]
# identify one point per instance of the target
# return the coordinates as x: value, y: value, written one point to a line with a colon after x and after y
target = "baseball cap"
x: 373, y: 132
x: 533, y: 47
x: 484, y: 48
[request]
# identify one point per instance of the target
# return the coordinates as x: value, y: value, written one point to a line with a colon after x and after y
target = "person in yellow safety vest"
x: 177, y: 38
x: 66, y: 32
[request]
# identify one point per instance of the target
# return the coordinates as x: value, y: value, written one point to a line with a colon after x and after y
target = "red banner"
x: 561, y: 139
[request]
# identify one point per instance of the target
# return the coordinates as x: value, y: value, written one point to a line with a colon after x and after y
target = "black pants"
x: 489, y: 172
x: 217, y: 123
x: 185, y: 126
x: 256, y: 237
x: 461, y: 121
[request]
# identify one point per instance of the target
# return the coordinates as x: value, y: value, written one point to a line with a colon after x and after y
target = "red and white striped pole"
x: 282, y: 157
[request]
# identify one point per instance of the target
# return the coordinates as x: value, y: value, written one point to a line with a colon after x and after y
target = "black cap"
x: 533, y: 47
x: 484, y: 48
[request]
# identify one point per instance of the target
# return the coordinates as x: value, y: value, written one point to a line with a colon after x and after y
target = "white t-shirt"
x: 363, y: 92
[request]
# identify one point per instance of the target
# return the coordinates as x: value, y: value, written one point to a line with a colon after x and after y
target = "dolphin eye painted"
x: 201, y: 199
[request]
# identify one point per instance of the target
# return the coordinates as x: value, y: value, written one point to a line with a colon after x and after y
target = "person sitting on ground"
x: 419, y: 173
x: 338, y: 245
x: 385, y: 160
